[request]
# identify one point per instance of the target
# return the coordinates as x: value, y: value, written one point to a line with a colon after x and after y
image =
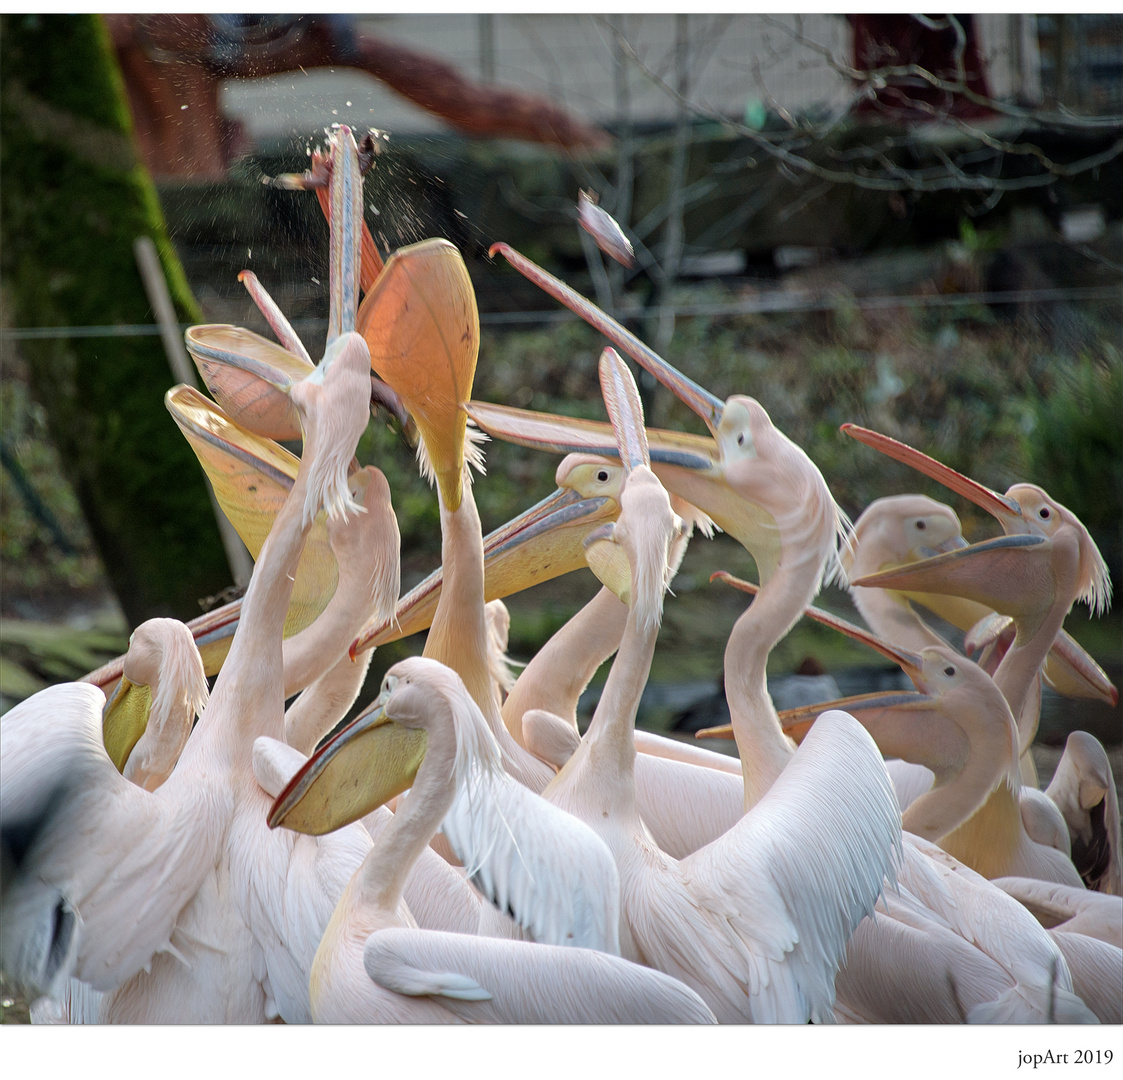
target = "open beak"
x: 867, y: 709
x: 251, y: 477
x: 540, y: 544
x: 1006, y: 574
x: 318, y: 179
x: 365, y: 765
x: 1004, y: 509
x: 249, y: 377
x: 708, y: 407
x: 572, y: 435
x: 688, y: 466
x: 345, y: 191
x: 124, y: 719
x: 423, y: 330
x: 1072, y: 672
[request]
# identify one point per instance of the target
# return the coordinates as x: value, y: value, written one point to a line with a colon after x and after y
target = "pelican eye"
x: 949, y: 670
x: 921, y: 525
x: 1043, y: 513
x: 741, y: 439
x: 602, y: 476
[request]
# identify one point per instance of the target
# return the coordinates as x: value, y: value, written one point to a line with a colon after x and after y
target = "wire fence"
x: 775, y: 302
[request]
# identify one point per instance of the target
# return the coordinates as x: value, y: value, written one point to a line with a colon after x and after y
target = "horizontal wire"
x: 767, y: 302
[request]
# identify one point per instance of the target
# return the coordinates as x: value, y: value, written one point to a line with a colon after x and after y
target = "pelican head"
x: 635, y: 557
x: 148, y: 717
x: 900, y: 529
x: 1025, y: 510
x: 1045, y: 516
x: 378, y: 755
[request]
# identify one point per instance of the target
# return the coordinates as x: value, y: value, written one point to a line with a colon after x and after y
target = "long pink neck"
x: 609, y: 744
x: 398, y: 846
x: 563, y: 667
x: 761, y: 742
x: 248, y: 697
x: 1019, y: 667
x: 458, y: 636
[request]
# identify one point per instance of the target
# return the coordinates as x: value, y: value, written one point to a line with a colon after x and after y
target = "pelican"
x: 961, y: 729
x: 1019, y: 986
x: 149, y: 716
x: 903, y: 529
x: 436, y: 402
x: 738, y: 920
x: 345, y: 574
x: 683, y: 805
x: 951, y: 949
x: 174, y: 899
x: 115, y: 879
x: 145, y: 725
x: 1035, y: 578
x: 373, y: 965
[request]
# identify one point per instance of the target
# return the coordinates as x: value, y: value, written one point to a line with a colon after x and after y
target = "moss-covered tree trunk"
x: 73, y: 197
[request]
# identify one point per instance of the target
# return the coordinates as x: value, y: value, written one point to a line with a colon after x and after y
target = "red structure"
x: 884, y: 42
x: 173, y: 66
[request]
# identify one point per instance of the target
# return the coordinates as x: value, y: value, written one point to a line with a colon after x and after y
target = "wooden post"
x: 148, y: 261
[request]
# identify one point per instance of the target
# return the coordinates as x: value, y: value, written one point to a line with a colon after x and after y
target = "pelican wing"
x: 1097, y: 974
x: 905, y: 965
x: 96, y: 870
x: 800, y: 871
x: 999, y: 926
x: 486, y: 980
x: 549, y: 871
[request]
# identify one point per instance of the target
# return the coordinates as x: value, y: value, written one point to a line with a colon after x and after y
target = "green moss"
x: 73, y: 199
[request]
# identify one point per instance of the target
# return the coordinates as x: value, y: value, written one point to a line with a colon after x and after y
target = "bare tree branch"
x: 892, y: 176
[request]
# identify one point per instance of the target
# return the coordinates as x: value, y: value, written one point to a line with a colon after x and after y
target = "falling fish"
x: 602, y: 227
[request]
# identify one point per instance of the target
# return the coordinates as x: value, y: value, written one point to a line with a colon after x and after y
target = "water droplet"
x: 348, y: 104
x: 183, y: 108
x: 335, y: 112
x: 315, y: 281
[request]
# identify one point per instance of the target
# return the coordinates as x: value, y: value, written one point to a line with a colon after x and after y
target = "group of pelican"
x: 460, y: 852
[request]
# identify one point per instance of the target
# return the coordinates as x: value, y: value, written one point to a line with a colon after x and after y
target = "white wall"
x: 732, y: 61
